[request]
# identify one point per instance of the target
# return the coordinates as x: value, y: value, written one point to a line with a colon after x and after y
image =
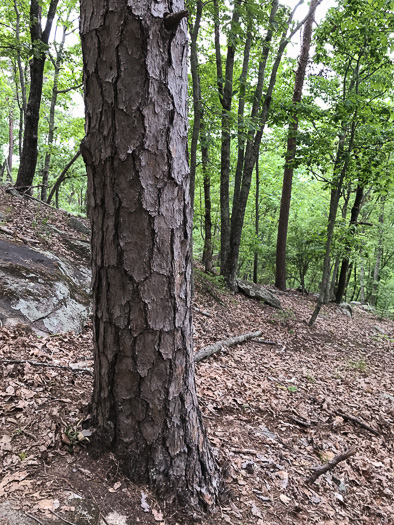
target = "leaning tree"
x: 144, y: 401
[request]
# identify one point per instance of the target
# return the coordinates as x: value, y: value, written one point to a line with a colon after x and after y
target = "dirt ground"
x: 275, y: 409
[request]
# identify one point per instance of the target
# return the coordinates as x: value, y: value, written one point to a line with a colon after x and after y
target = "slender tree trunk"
x: 10, y: 141
x: 226, y: 96
x: 242, y: 129
x: 379, y: 250
x: 362, y: 282
x: 352, y: 230
x: 21, y: 75
x: 251, y: 154
x: 343, y: 159
x: 207, y: 250
x: 280, y: 278
x: 144, y: 402
x: 39, y: 42
x: 334, y: 274
x: 51, y: 130
x: 196, y: 99
x: 61, y: 179
x: 256, y: 224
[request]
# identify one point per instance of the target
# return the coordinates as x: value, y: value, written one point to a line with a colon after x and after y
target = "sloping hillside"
x: 275, y: 409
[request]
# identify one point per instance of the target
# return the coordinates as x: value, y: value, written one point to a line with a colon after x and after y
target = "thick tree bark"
x: 144, y: 401
x: 280, y: 278
x: 39, y: 42
x: 343, y: 274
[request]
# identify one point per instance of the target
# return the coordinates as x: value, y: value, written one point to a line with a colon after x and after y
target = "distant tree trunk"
x: 61, y: 178
x: 39, y: 42
x: 144, y: 402
x: 352, y: 230
x: 10, y: 141
x: 379, y: 250
x: 256, y: 223
x: 51, y: 130
x: 226, y: 96
x: 362, y: 282
x: 342, y: 158
x: 254, y: 141
x: 242, y: 128
x: 196, y: 99
x: 334, y: 274
x: 280, y: 278
x: 21, y: 74
x: 207, y: 251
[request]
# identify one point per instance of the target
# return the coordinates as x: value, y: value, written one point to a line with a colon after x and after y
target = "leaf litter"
x: 273, y: 412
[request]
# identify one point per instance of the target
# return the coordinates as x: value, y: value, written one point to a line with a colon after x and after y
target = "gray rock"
x: 78, y: 225
x: 346, y: 309
x: 80, y: 248
x: 41, y: 290
x: 379, y: 329
x: 258, y: 292
x: 368, y: 308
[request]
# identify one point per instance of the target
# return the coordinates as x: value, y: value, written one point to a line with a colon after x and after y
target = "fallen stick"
x: 353, y: 419
x: 47, y: 365
x: 318, y: 471
x: 33, y: 518
x: 206, y: 351
x: 26, y: 240
x: 264, y: 342
x: 203, y: 312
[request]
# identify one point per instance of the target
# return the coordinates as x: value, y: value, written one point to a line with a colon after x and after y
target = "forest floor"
x: 273, y: 412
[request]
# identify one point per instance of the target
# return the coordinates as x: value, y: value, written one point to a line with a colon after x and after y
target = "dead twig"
x: 263, y: 342
x: 46, y: 365
x: 61, y: 518
x: 33, y: 518
x: 300, y: 422
x: 353, y: 419
x: 321, y: 469
x: 206, y: 351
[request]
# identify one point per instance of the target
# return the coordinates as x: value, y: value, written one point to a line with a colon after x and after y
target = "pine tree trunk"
x: 280, y: 279
x: 144, y: 401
